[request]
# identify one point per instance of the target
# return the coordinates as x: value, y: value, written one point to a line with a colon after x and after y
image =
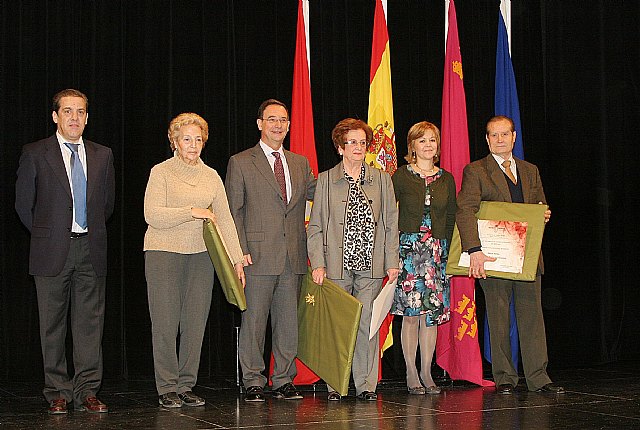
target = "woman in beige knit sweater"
x: 178, y: 269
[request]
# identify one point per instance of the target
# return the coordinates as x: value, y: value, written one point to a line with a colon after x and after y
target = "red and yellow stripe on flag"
x: 381, y: 152
x: 457, y: 348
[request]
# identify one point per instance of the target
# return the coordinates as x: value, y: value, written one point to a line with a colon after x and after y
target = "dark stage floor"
x: 605, y: 397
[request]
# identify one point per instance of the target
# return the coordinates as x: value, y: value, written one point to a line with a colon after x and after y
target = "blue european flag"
x: 506, y: 103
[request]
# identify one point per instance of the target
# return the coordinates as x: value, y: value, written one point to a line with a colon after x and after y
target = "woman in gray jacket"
x: 352, y: 239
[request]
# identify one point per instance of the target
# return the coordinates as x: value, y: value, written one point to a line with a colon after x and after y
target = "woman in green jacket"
x: 426, y: 196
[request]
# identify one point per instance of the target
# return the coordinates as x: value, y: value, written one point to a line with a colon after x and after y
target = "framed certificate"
x: 511, y: 233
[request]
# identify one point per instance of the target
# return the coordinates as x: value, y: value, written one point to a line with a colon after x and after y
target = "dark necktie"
x: 278, y: 170
x: 507, y: 169
x: 79, y: 185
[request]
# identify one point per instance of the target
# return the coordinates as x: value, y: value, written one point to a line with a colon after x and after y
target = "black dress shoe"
x: 254, y: 394
x: 369, y: 396
x: 287, y: 391
x: 334, y: 396
x: 505, y: 389
x: 551, y: 388
x: 190, y: 399
x: 170, y: 400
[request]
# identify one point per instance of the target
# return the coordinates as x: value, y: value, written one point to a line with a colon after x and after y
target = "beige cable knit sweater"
x: 174, y: 188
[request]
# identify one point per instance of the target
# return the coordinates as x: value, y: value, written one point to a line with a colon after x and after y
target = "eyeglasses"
x: 273, y: 120
x: 355, y: 142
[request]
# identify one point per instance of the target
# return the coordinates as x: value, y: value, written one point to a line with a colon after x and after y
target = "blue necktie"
x: 79, y: 184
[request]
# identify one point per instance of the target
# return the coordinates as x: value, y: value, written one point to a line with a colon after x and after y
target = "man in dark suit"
x: 267, y: 188
x: 503, y: 178
x: 64, y: 195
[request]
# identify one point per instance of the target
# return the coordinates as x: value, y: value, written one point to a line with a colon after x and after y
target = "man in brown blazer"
x: 501, y: 177
x: 267, y: 187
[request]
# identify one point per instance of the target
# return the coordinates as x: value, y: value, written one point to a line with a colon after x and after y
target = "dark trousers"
x: 533, y: 342
x: 179, y: 288
x: 278, y: 296
x: 79, y: 291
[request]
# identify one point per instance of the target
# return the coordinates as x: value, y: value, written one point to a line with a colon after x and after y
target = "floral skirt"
x: 423, y: 287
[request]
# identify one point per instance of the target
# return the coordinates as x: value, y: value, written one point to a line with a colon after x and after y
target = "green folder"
x: 533, y: 214
x: 231, y: 285
x: 328, y: 319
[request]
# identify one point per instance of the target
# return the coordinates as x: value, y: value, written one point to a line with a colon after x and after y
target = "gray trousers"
x: 78, y: 290
x: 179, y: 288
x: 278, y: 296
x: 533, y: 343
x: 366, y: 354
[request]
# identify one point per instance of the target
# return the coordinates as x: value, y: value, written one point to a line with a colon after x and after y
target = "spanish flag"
x: 457, y: 348
x: 381, y: 152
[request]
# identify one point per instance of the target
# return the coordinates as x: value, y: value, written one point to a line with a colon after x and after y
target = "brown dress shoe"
x: 93, y: 405
x: 57, y: 407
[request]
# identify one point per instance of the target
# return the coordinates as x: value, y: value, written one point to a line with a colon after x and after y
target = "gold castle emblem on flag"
x: 310, y: 299
x: 381, y: 152
x: 457, y: 68
x: 468, y: 324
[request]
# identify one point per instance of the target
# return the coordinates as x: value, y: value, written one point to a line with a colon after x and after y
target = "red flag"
x: 457, y: 348
x: 304, y: 375
x: 301, y: 134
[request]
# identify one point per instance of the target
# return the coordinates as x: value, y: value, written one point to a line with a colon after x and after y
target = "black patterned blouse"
x: 358, y: 228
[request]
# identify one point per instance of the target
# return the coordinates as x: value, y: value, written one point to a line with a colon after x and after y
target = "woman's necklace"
x: 424, y: 172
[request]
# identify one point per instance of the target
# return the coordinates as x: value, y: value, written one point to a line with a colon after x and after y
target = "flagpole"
x: 505, y: 9
x: 446, y: 23
x: 305, y: 14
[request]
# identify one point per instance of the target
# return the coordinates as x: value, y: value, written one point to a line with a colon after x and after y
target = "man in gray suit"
x: 267, y: 188
x: 503, y: 178
x: 64, y: 195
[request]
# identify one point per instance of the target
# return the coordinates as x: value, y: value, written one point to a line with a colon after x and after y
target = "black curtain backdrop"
x: 143, y: 62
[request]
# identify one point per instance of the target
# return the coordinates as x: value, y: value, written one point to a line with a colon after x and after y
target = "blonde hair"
x: 183, y: 119
x: 416, y: 132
